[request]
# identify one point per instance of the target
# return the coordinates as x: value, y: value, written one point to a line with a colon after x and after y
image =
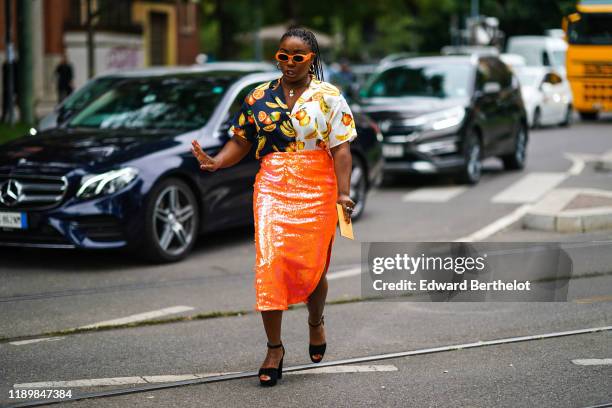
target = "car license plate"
x: 13, y: 220
x: 393, y: 150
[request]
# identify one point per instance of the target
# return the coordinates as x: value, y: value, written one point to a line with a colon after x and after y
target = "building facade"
x: 128, y: 34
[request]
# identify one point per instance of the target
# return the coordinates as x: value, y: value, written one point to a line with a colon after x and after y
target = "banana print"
x: 344, y: 136
x: 329, y: 89
x: 287, y: 128
x: 263, y: 86
x: 260, y: 144
x: 324, y: 106
x: 322, y: 119
x: 281, y: 103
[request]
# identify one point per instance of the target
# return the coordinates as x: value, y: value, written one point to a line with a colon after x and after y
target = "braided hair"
x: 309, y: 38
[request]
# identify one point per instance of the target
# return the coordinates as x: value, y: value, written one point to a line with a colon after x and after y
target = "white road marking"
x: 577, y: 163
x: 344, y: 274
x: 592, y: 361
x: 97, y: 382
x: 529, y: 188
x: 139, y: 317
x: 23, y: 342
x: 347, y: 369
x: 93, y: 382
x: 378, y: 357
x: 434, y: 194
x: 497, y: 225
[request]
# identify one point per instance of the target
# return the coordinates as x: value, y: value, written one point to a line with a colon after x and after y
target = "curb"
x: 551, y: 214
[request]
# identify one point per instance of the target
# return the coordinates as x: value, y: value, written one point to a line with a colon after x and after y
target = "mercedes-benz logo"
x: 10, y: 193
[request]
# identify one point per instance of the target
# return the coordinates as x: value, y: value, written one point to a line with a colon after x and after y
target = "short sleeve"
x: 243, y: 124
x: 342, y: 123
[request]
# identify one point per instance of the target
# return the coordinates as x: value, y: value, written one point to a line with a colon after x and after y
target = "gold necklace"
x: 291, y: 91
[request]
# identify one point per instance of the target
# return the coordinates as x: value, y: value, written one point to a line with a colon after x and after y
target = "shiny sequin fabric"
x: 294, y: 204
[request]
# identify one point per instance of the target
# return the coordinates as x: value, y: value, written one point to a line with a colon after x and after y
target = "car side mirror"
x: 491, y: 88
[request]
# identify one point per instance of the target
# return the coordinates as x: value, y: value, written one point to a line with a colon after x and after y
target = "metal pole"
x: 475, y: 12
x: 90, y: 42
x: 10, y: 58
x: 26, y: 74
x: 258, y: 42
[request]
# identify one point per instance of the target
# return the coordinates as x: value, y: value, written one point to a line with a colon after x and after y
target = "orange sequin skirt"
x: 294, y: 206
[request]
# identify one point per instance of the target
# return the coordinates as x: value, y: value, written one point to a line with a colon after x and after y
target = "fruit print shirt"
x: 320, y: 119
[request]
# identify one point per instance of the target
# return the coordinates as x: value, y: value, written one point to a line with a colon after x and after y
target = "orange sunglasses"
x: 297, y: 58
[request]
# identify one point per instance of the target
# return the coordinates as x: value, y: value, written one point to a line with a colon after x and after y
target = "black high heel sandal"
x: 274, y: 374
x: 319, y: 348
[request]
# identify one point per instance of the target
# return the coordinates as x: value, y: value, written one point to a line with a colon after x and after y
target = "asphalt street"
x: 53, y: 291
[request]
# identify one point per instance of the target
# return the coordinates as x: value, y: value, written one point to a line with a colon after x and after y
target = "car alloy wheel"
x: 516, y: 159
x: 172, y: 221
x: 174, y: 227
x: 358, y: 191
x: 472, y: 168
x: 474, y: 163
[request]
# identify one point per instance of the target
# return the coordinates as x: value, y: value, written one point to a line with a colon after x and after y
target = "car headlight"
x: 440, y: 122
x: 95, y: 185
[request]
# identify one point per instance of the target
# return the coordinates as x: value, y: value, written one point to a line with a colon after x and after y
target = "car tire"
x: 589, y: 115
x: 516, y: 159
x: 568, y: 116
x: 471, y: 170
x: 359, y: 187
x: 388, y: 180
x: 537, y: 119
x: 171, y: 222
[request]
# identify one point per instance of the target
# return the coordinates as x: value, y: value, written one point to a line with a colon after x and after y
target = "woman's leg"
x: 272, y: 320
x: 316, y: 304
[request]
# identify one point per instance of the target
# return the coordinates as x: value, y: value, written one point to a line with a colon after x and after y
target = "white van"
x: 539, y: 50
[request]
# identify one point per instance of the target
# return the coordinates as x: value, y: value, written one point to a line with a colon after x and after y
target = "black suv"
x: 446, y: 114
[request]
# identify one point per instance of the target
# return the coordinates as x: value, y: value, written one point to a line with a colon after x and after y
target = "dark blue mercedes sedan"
x: 118, y: 171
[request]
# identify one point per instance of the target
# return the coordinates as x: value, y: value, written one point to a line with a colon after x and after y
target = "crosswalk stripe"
x: 529, y: 188
x: 592, y: 361
x: 434, y: 194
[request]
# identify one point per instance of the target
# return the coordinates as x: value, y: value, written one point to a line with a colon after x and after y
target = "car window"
x: 500, y: 73
x: 237, y: 102
x: 236, y: 106
x: 483, y: 74
x: 438, y: 80
x: 90, y: 91
x: 169, y: 102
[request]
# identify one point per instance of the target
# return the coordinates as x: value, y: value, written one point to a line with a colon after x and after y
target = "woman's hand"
x: 206, y: 162
x: 347, y: 205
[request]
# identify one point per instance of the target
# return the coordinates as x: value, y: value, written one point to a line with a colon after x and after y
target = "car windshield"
x: 432, y: 80
x: 84, y: 95
x: 176, y: 102
x: 591, y: 29
x: 528, y: 78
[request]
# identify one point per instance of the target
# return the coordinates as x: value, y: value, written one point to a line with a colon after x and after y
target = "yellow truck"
x: 589, y: 57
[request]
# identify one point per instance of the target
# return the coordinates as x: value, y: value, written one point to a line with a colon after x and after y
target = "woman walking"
x: 300, y: 125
